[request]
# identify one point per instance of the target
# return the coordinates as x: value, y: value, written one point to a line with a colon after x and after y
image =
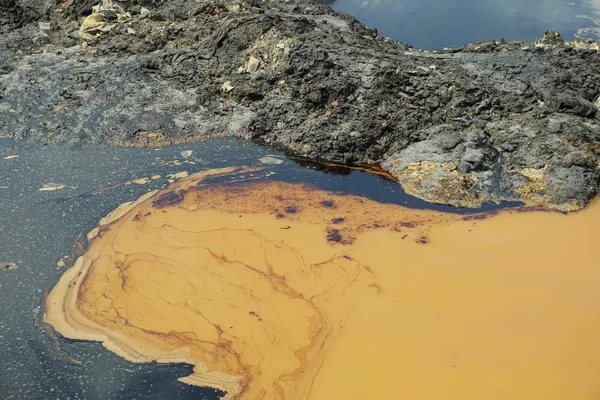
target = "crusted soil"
x: 485, y: 122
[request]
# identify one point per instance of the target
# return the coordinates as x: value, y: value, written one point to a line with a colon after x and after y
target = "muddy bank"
x: 488, y: 121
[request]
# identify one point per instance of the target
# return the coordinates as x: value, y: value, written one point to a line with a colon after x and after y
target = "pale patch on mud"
x: 283, y: 291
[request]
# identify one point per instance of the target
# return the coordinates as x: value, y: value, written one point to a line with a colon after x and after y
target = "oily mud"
x: 283, y: 291
x: 485, y: 122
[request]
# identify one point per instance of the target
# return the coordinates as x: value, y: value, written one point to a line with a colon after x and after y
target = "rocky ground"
x: 485, y: 122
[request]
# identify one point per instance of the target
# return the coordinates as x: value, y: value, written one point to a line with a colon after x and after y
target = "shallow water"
x: 435, y: 24
x: 281, y: 290
x: 38, y: 228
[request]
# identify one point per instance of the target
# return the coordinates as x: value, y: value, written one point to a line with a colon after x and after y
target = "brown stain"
x: 265, y: 310
x: 168, y: 199
x: 371, y: 168
x: 333, y: 235
x: 423, y: 239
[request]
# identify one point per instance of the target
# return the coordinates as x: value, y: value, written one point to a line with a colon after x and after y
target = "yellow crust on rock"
x: 439, y: 183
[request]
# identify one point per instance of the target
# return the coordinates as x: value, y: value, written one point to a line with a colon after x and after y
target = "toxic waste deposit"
x: 275, y: 290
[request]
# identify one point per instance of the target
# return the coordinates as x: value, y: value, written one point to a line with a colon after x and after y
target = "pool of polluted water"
x: 225, y: 270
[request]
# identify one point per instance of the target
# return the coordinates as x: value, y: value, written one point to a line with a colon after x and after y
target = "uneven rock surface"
x: 485, y: 122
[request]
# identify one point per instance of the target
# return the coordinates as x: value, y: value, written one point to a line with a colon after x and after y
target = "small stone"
x: 144, y: 12
x: 227, y: 87
x: 253, y: 64
x: 131, y: 31
x: 60, y: 263
x: 597, y: 102
x: 554, y: 125
x: 270, y: 160
x: 187, y: 153
x: 45, y: 26
x: 551, y: 37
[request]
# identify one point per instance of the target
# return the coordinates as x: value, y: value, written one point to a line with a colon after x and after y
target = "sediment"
x: 485, y: 122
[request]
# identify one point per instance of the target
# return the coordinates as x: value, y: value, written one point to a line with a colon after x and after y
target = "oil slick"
x: 282, y: 291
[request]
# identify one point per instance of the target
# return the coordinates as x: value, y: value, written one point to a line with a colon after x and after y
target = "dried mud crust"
x: 485, y: 122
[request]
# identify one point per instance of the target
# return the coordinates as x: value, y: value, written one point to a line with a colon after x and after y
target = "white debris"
x: 51, y: 186
x: 270, y: 160
x: 187, y: 153
x: 178, y: 175
x: 45, y: 26
x: 227, y: 87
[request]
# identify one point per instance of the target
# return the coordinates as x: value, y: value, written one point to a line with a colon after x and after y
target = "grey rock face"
x: 488, y: 121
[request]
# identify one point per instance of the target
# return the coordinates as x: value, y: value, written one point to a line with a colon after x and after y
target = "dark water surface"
x: 38, y: 228
x: 434, y: 24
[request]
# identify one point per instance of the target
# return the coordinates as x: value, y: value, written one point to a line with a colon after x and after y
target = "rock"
x: 554, y: 125
x: 320, y: 85
x: 597, y: 102
x: 551, y: 37
x: 439, y: 183
x: 94, y: 26
x: 253, y: 64
x: 578, y: 106
x: 227, y: 87
x: 99, y: 22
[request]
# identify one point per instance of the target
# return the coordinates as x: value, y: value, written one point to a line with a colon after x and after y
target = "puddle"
x: 283, y: 290
x: 38, y: 229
